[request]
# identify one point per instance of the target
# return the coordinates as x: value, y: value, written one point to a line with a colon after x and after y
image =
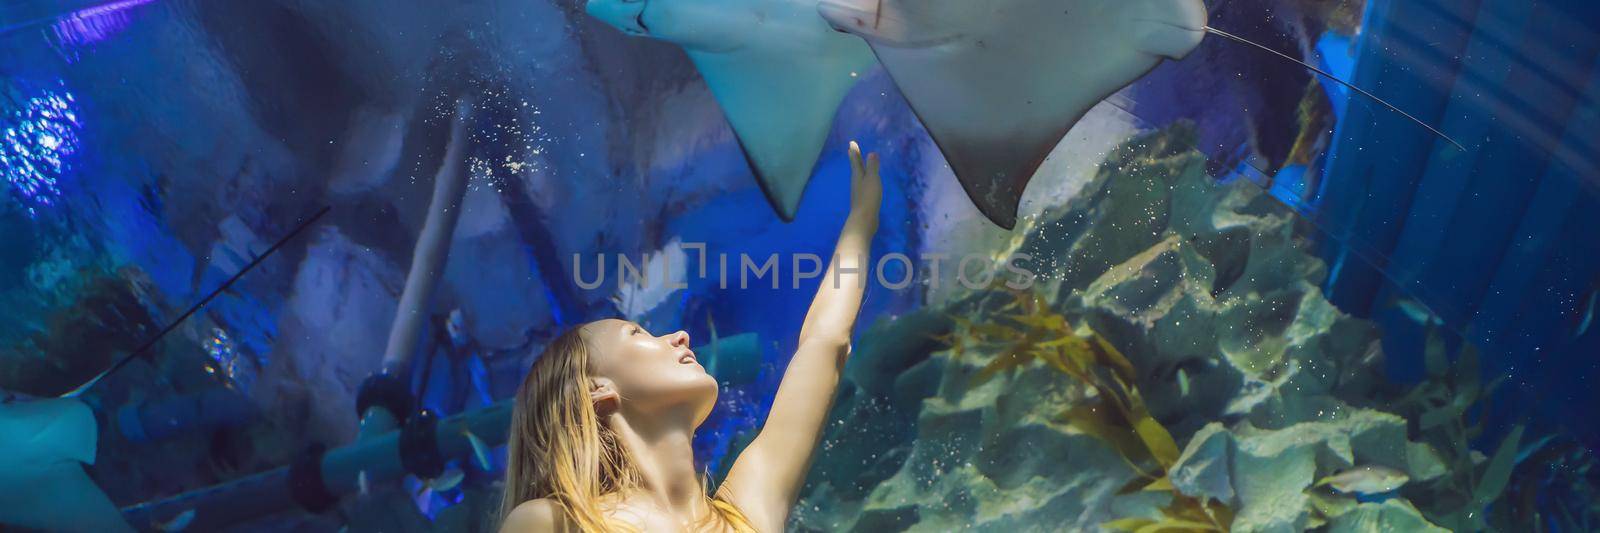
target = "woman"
x: 601, y: 432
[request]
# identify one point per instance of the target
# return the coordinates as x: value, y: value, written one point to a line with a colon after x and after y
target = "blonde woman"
x: 600, y: 435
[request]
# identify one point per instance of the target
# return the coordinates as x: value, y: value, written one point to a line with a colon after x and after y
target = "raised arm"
x: 766, y: 478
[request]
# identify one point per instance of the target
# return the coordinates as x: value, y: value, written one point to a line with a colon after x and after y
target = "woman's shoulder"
x: 536, y: 516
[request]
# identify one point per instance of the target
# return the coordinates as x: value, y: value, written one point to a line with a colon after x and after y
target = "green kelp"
x: 1499, y: 490
x: 1554, y: 487
x: 1026, y: 330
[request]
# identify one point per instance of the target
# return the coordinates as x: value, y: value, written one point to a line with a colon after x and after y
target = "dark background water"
x: 152, y: 148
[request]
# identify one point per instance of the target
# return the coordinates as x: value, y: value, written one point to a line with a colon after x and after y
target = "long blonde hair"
x: 558, y: 448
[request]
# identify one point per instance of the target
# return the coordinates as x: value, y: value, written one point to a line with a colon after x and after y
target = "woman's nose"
x: 680, y: 338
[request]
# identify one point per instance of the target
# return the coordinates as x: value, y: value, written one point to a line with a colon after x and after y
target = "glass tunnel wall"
x: 1238, y: 296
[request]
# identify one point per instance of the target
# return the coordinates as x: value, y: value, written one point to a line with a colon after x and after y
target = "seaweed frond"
x: 1027, y: 330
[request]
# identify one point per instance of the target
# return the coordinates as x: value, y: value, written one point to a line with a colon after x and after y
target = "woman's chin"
x: 700, y: 376
x: 707, y: 398
x: 697, y: 387
x: 708, y: 386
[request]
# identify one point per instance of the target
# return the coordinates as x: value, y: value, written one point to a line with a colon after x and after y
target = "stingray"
x: 778, y: 71
x: 45, y: 444
x: 998, y: 83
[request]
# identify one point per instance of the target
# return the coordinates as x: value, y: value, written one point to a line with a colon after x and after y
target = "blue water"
x: 151, y: 149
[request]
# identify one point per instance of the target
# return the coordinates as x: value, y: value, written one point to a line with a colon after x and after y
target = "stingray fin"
x: 995, y: 175
x: 781, y: 108
x: 998, y: 84
x: 994, y: 170
x: 57, y: 497
x: 46, y: 431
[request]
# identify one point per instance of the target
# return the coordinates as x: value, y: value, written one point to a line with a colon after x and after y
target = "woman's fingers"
x: 855, y: 158
x: 865, y: 185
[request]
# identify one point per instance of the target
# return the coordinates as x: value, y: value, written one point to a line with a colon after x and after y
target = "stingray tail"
x: 1325, y: 74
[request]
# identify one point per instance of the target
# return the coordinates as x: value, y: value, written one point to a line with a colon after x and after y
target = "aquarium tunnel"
x: 1144, y: 265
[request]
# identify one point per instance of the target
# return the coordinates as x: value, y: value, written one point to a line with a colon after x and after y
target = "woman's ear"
x: 604, y: 396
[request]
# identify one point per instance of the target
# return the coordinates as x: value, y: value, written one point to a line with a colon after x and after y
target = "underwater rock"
x: 1203, y: 469
x: 1122, y: 212
x: 333, y: 332
x: 888, y: 375
x: 1270, y: 475
x: 891, y: 346
x: 1225, y: 268
x: 499, y: 304
x: 371, y: 150
x: 644, y: 287
x: 915, y: 383
x: 1210, y: 291
x: 970, y: 466
x: 1264, y: 474
x: 1142, y: 288
x: 1389, y: 515
x: 93, y: 315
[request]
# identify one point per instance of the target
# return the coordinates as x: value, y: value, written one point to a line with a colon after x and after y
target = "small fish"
x: 362, y: 484
x: 1374, y: 349
x: 1190, y: 365
x: 1183, y: 383
x: 1418, y: 312
x: 446, y: 481
x: 480, y: 450
x: 1366, y: 480
x: 177, y: 523
x: 1586, y: 318
x: 1533, y: 448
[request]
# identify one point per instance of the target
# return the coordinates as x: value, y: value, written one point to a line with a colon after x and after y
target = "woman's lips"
x: 687, y: 358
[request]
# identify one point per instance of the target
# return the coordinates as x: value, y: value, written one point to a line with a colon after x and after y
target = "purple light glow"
x: 95, y: 24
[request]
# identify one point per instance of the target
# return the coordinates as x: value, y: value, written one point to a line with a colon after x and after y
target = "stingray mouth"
x: 1173, y: 25
x: 624, y: 15
x: 851, y: 16
x: 1172, y: 39
x: 865, y: 18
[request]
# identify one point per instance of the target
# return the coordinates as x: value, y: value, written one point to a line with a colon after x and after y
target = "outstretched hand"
x: 766, y: 478
x: 866, y: 187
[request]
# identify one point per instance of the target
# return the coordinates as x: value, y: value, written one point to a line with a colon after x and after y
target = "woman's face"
x: 653, y: 375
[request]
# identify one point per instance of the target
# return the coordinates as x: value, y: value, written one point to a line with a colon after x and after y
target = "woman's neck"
x: 664, y: 454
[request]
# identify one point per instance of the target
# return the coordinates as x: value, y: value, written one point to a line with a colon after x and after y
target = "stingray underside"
x: 781, y: 108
